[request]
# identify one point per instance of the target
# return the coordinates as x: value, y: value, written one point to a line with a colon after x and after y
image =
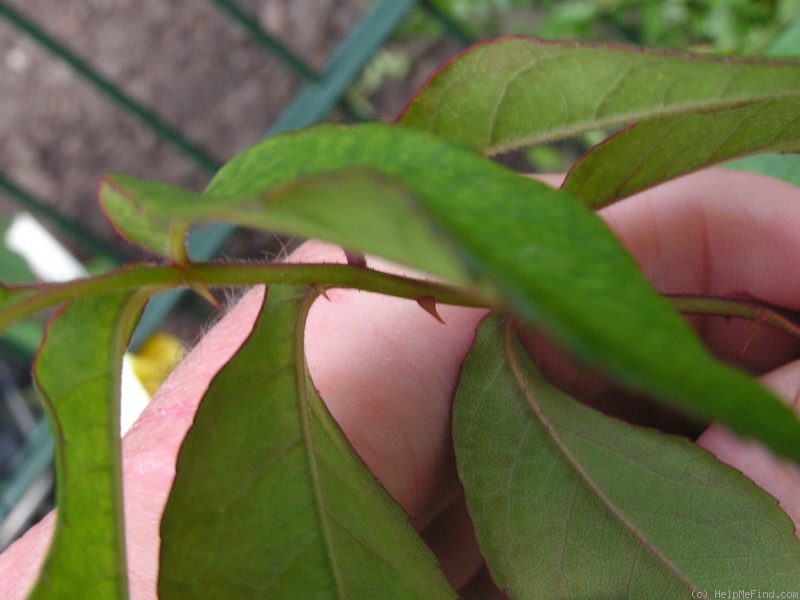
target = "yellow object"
x: 156, y: 359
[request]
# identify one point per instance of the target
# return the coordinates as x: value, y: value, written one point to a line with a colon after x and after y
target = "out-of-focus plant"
x: 723, y: 26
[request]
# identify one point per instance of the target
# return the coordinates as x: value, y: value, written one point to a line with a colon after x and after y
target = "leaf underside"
x: 569, y: 503
x: 519, y: 92
x: 266, y: 474
x: 652, y: 152
x: 482, y: 225
x: 137, y: 226
x: 78, y: 378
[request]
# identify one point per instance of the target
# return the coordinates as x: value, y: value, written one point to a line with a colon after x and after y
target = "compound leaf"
x: 569, y: 503
x: 552, y: 258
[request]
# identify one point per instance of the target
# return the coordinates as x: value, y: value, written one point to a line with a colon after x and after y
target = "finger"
x: 387, y: 371
x: 715, y: 232
x: 20, y: 563
x: 151, y: 446
x: 776, y: 476
x: 720, y: 232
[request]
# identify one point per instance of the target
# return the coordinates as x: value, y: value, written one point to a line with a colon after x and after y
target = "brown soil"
x: 202, y: 72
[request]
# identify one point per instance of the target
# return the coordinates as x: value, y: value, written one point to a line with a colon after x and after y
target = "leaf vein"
x: 581, y: 474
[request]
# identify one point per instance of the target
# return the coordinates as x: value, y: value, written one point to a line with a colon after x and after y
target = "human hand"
x: 388, y: 371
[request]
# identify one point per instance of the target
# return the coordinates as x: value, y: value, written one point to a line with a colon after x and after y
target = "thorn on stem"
x: 428, y: 304
x: 322, y: 291
x: 204, y: 292
x: 761, y: 317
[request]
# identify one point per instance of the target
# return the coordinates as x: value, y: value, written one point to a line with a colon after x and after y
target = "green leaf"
x: 569, y: 503
x: 779, y: 166
x: 13, y: 268
x: 266, y: 475
x: 140, y: 226
x: 652, y: 152
x: 357, y: 207
x: 11, y: 296
x: 553, y: 259
x: 520, y: 92
x: 78, y: 377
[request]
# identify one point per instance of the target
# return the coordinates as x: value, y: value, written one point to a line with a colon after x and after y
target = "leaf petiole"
x: 743, y: 308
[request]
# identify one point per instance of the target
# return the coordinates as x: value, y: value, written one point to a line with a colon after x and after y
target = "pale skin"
x: 387, y: 370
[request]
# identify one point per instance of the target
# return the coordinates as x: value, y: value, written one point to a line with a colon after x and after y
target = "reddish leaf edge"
x: 618, y: 197
x: 583, y: 44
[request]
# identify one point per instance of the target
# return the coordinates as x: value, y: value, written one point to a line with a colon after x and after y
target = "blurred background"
x: 172, y: 89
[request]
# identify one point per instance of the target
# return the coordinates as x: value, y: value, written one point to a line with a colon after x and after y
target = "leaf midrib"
x: 560, y: 133
x: 510, y: 349
x: 306, y: 427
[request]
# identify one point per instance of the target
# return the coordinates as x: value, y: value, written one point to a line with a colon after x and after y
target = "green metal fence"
x: 25, y: 486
